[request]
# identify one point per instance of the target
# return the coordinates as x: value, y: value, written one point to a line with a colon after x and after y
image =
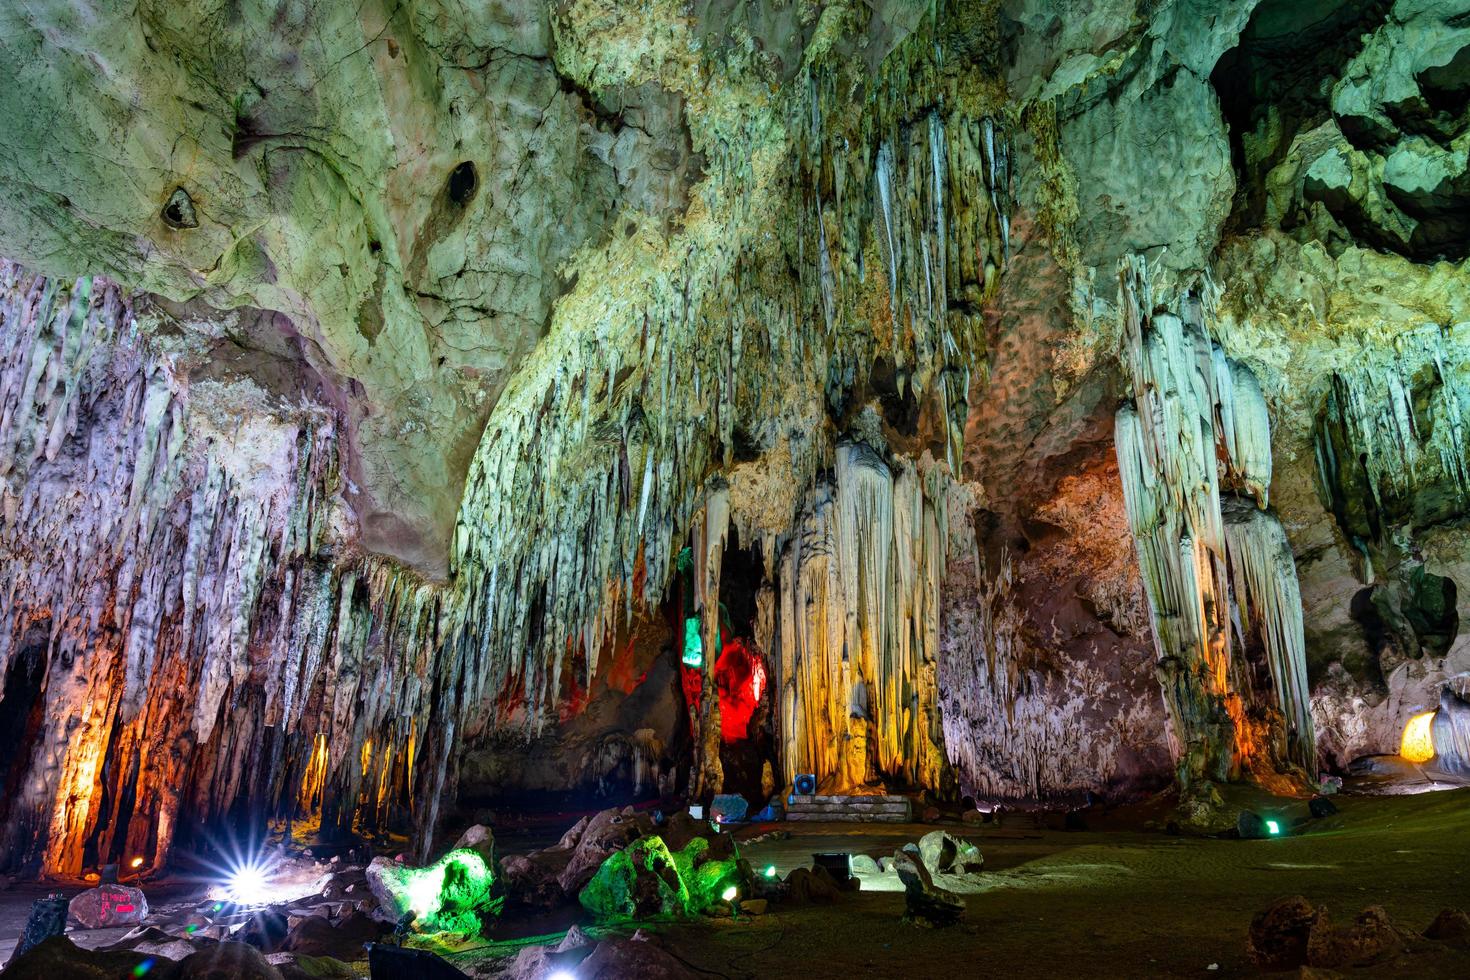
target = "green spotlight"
x: 770, y: 871
x: 1273, y: 828
x: 693, y: 643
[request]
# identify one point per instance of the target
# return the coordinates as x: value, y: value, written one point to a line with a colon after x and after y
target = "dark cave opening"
x: 1284, y: 63
x: 464, y: 180
x: 21, y: 711
x: 1429, y: 607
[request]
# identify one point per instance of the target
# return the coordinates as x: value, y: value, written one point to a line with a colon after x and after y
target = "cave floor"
x: 1107, y: 902
x: 1113, y: 900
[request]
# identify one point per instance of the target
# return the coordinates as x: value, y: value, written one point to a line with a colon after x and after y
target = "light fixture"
x: 561, y: 975
x: 730, y: 893
x: 135, y: 863
x: 1273, y: 828
x: 770, y: 871
x: 1417, y: 744
x: 249, y: 884
x: 693, y: 643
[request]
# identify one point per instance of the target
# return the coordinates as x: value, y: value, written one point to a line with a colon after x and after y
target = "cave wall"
x: 184, y: 595
x: 431, y: 335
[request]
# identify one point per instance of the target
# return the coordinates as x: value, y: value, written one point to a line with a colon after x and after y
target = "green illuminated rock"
x: 454, y: 894
x: 648, y: 881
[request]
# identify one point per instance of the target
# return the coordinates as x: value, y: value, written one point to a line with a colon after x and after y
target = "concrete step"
x: 851, y: 817
x: 851, y: 809
x: 848, y: 808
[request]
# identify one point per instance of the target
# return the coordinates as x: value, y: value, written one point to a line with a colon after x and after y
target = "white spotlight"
x: 249, y: 884
x: 561, y: 975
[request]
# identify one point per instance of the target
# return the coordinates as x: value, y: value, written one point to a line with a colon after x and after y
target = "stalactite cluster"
x: 1195, y: 463
x: 182, y: 642
x: 854, y: 634
x: 601, y: 459
x: 1393, y: 444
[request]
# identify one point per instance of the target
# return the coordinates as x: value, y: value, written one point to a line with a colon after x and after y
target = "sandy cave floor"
x: 1109, y: 901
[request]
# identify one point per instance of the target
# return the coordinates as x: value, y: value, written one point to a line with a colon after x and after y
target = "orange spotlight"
x: 1418, y: 741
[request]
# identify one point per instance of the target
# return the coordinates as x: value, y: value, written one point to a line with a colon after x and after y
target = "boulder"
x: 265, y: 930
x: 808, y: 886
x: 175, y: 949
x: 945, y: 854
x: 862, y: 864
x: 58, y: 957
x: 107, y: 906
x: 925, y: 902
x: 754, y: 906
x: 728, y: 808
x: 617, y: 959
x: 454, y: 894
x: 1370, y: 938
x: 647, y: 880
x: 226, y: 961
x: 680, y: 829
x: 640, y: 881
x: 47, y: 918
x: 573, y: 836
x: 1279, y: 933
x: 315, y: 936
x: 294, y: 966
x: 574, y: 939
x: 1450, y: 926
x: 530, y: 884
x: 605, y: 834
x: 337, y: 885
x: 481, y: 840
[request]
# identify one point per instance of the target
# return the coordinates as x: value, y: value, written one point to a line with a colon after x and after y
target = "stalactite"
x: 1392, y: 445
x: 172, y: 596
x: 856, y: 625
x: 1198, y: 409
x: 1264, y: 583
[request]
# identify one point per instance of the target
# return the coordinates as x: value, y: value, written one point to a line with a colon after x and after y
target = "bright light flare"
x: 249, y: 884
x: 135, y: 863
x: 730, y: 893
x: 561, y: 975
x: 1418, y: 741
x: 770, y: 871
x: 1273, y: 828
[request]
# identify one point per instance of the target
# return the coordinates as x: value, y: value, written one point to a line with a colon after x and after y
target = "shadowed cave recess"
x: 591, y: 489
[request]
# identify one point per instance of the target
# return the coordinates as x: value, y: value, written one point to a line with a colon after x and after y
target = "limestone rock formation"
x: 366, y: 368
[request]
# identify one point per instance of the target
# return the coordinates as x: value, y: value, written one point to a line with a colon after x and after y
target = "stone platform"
x: 853, y: 809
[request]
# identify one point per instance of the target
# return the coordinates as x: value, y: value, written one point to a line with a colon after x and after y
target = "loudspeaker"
x: 806, y: 784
